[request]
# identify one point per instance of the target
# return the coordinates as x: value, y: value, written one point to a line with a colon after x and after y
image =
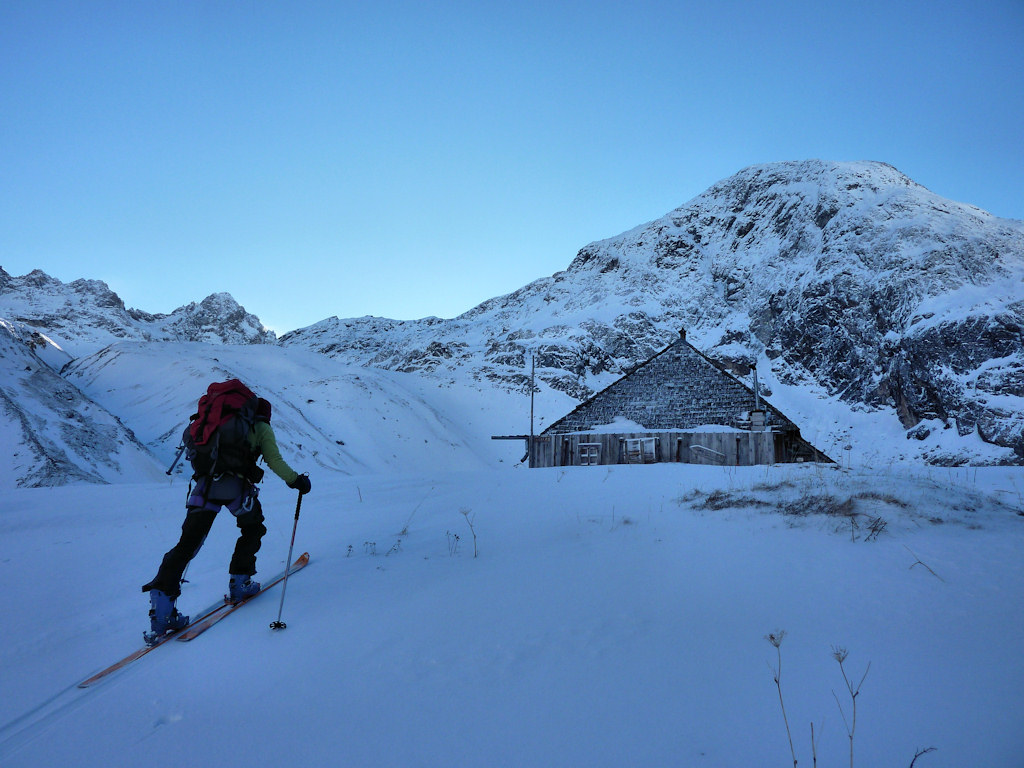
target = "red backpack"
x: 216, y: 439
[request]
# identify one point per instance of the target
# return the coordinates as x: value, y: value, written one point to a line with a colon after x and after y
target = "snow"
x: 969, y: 301
x: 622, y: 425
x: 328, y: 417
x: 613, y: 617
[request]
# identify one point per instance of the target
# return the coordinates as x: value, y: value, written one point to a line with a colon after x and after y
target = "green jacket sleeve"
x: 266, y: 444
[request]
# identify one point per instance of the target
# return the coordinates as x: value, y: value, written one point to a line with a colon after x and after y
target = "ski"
x: 197, y: 628
x: 203, y: 615
x: 201, y: 623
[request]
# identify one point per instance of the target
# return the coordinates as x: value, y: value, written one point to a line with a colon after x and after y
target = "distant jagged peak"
x: 84, y: 315
x: 38, y: 288
x: 39, y: 279
x: 219, y: 318
x: 217, y: 300
x: 99, y: 291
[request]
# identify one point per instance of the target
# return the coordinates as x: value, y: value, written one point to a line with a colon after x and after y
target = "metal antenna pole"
x: 533, y: 370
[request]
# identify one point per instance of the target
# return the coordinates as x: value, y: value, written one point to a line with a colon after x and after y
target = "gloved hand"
x: 300, y: 484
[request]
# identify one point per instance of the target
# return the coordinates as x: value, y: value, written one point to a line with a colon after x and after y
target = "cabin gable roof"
x: 678, y: 388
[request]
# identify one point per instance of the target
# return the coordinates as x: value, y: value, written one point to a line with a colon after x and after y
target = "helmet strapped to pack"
x: 216, y: 439
x: 263, y: 410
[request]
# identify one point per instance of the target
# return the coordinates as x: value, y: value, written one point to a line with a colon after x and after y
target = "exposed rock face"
x: 848, y: 276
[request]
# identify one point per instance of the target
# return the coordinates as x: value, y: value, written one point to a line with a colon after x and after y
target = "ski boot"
x: 240, y: 587
x: 163, y: 617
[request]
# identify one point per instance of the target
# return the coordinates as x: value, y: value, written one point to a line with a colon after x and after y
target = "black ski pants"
x: 194, y: 531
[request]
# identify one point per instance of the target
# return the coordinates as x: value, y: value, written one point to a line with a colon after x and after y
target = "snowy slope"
x: 328, y: 417
x: 51, y: 433
x: 612, y: 618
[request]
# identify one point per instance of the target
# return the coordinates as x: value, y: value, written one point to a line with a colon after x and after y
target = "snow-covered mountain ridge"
x: 85, y: 315
x: 883, y: 319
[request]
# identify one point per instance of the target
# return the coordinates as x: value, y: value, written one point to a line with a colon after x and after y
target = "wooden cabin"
x: 679, y: 406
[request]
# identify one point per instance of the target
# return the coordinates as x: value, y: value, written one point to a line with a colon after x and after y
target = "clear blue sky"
x: 406, y: 159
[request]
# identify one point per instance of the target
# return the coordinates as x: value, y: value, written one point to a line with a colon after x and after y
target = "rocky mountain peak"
x: 220, y: 319
x: 98, y: 293
x: 85, y: 315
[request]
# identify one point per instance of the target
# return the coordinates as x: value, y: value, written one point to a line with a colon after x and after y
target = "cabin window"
x: 590, y: 454
x: 641, y: 450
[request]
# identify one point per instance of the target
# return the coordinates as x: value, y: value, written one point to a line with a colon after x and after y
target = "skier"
x: 239, y: 493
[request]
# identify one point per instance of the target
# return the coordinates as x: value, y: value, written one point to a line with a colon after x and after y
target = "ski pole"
x: 287, y: 564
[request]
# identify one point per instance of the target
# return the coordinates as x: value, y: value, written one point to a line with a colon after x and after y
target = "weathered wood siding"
x: 725, y: 448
